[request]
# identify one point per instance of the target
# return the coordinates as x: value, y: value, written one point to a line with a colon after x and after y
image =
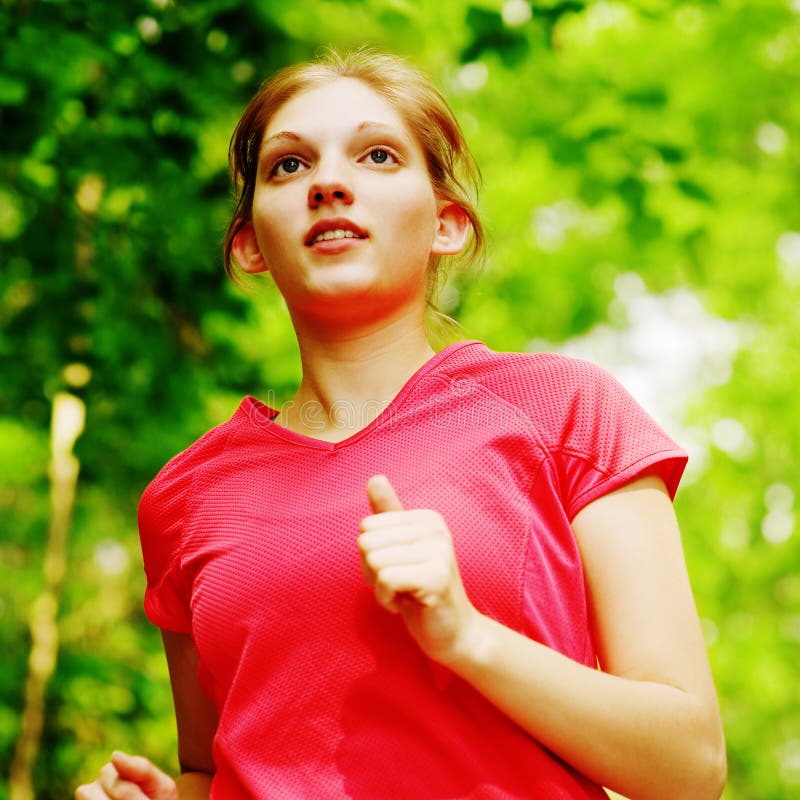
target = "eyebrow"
x: 382, y: 126
x: 281, y: 135
x: 362, y: 126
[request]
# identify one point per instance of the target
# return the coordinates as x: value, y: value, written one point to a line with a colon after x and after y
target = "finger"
x: 422, y: 517
x: 117, y: 787
x: 378, y: 549
x: 109, y: 778
x: 382, y: 496
x: 426, y: 584
x: 90, y: 791
x: 391, y: 536
x: 141, y: 771
x: 403, y: 554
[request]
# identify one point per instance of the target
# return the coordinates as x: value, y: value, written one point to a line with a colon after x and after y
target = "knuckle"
x: 385, y: 589
x: 382, y: 583
x: 373, y: 561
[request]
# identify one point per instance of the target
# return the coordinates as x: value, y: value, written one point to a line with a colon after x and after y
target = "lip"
x: 333, y: 224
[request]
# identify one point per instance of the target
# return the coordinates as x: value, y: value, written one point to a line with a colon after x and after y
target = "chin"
x: 348, y: 283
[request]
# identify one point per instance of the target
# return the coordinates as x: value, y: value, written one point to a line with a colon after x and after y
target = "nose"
x: 329, y: 191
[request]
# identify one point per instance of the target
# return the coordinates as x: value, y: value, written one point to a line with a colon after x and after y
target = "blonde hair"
x: 453, y: 171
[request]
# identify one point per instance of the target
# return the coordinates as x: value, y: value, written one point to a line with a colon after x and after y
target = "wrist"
x: 472, y: 649
x: 193, y: 785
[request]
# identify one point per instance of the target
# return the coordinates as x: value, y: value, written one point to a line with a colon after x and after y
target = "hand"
x: 129, y: 778
x: 408, y: 558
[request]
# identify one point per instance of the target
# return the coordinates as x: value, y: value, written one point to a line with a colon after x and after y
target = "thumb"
x: 382, y: 496
x: 141, y: 771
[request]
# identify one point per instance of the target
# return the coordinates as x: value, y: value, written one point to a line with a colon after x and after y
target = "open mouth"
x: 332, y: 229
x: 339, y: 233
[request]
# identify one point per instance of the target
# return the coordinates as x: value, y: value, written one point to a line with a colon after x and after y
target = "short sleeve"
x: 607, y: 439
x: 161, y: 522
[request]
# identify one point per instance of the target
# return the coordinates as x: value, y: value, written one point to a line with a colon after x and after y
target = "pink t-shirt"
x: 249, y: 542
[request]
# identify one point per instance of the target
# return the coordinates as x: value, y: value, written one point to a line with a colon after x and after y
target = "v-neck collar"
x: 263, y: 415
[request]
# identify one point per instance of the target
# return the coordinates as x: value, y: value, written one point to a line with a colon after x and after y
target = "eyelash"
x: 382, y: 149
x: 274, y: 171
x: 281, y: 161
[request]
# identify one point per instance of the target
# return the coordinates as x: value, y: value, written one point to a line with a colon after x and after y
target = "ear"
x: 452, y: 230
x: 246, y: 251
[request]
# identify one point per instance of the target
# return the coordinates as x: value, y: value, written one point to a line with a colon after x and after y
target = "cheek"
x: 419, y: 212
x: 272, y: 227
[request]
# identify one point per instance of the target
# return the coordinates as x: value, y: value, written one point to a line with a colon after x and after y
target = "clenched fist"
x: 129, y: 778
x: 407, y: 556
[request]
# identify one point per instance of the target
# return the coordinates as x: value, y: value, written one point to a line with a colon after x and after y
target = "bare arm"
x: 195, y: 714
x: 128, y: 777
x: 648, y: 727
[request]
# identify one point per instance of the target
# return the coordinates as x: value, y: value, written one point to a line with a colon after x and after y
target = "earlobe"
x: 452, y: 231
x: 246, y: 251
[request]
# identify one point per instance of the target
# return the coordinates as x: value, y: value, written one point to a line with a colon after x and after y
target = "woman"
x: 401, y: 584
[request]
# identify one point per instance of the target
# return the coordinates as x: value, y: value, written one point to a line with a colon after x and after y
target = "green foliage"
x: 653, y: 137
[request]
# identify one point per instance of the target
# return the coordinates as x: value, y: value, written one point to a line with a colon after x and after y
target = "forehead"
x: 342, y: 103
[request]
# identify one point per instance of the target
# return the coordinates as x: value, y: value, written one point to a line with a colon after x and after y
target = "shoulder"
x: 529, y: 370
x: 167, y: 493
x: 596, y: 433
x: 548, y: 388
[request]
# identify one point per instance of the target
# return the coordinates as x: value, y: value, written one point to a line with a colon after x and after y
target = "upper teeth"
x: 339, y: 233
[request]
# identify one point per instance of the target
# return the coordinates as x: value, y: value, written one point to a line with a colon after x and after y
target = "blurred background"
x: 641, y: 166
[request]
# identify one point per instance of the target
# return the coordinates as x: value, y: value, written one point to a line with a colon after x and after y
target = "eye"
x: 381, y: 155
x: 287, y: 166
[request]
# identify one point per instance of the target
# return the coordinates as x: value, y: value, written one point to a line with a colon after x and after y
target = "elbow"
x: 701, y: 771
x: 711, y: 768
x: 707, y: 755
x: 717, y: 768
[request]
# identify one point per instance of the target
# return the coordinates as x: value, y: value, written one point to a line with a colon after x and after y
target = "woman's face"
x: 344, y: 213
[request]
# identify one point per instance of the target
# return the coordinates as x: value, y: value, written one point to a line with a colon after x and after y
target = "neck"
x: 350, y: 378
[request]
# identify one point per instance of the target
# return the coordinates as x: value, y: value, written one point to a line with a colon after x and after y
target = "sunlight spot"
x: 90, y: 192
x: 787, y: 248
x: 12, y: 220
x: 111, y: 557
x: 473, y: 76
x: 777, y: 526
x: 771, y: 138
x: 603, y: 15
x: 552, y: 225
x: 516, y: 12
x: 730, y: 436
x: 242, y: 71
x: 217, y: 40
x: 76, y: 375
x: 69, y: 417
x: 149, y: 29
x: 779, y: 497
